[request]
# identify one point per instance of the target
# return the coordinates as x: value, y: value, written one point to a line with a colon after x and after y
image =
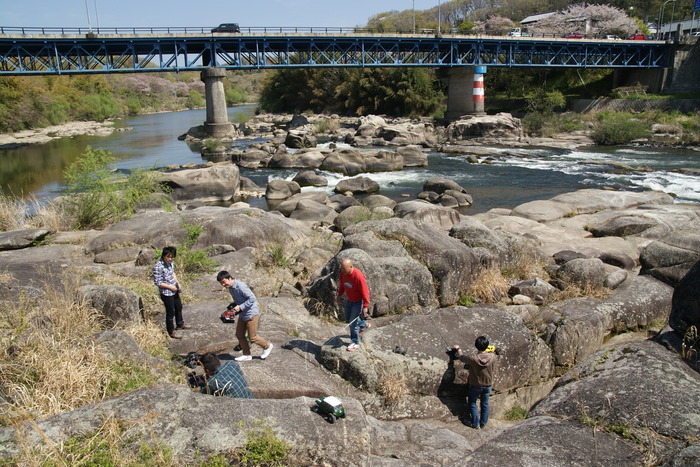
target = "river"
x: 517, y: 175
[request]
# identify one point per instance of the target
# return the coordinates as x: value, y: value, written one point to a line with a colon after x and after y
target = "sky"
x: 209, y: 13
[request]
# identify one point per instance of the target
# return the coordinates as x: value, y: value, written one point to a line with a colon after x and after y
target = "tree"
x: 588, y: 19
x: 498, y: 25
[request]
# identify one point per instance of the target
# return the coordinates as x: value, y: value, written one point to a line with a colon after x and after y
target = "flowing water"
x: 514, y: 176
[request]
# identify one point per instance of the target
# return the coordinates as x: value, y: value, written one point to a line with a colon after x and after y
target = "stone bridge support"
x: 217, y: 124
x: 465, y: 91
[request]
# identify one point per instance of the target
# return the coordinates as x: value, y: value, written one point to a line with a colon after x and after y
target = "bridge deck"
x: 162, y: 51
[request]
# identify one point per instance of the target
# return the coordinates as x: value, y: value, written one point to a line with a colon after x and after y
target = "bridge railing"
x: 244, y: 30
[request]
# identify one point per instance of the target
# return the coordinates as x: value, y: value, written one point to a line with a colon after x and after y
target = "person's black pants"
x: 173, y: 311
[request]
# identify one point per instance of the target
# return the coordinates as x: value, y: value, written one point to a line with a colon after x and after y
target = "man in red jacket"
x: 354, y: 286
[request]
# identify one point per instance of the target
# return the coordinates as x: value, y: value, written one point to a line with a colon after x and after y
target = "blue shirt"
x: 228, y: 380
x: 164, y: 273
x: 245, y: 299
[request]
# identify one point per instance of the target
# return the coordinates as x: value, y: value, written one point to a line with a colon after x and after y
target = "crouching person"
x: 481, y: 366
x: 224, y: 380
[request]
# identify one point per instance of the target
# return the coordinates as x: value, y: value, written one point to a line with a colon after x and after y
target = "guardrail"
x: 198, y: 30
x: 201, y: 30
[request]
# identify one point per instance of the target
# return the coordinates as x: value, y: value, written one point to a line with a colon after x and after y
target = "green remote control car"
x: 330, y: 407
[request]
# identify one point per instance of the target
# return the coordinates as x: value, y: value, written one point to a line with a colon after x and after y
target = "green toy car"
x: 330, y: 407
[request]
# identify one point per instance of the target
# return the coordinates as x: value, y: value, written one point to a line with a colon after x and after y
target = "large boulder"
x: 247, y: 227
x: 685, y: 305
x: 281, y: 189
x: 501, y: 125
x: 383, y: 161
x: 287, y: 206
x: 525, y: 358
x: 440, y: 185
x: 252, y: 158
x: 300, y: 139
x: 506, y: 249
x: 217, y: 183
x: 587, y: 201
x: 190, y: 422
x: 396, y: 281
x: 413, y: 156
x: 141, y: 229
x: 670, y: 259
x: 357, y: 185
x: 582, y: 272
x: 620, y: 387
x: 452, y: 264
x: 313, y: 212
x: 310, y: 178
x: 346, y: 161
x: 423, y: 211
x: 119, y: 305
x: 18, y: 239
x: 576, y: 328
x: 550, y: 441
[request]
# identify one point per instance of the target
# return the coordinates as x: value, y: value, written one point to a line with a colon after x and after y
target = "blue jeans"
x: 354, y: 310
x: 483, y: 393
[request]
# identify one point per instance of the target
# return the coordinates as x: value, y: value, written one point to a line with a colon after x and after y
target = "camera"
x: 452, y: 353
x: 192, y: 360
x: 195, y: 380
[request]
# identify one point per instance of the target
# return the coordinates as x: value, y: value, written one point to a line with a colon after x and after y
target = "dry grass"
x: 573, y: 291
x: 16, y: 214
x: 51, y: 363
x: 392, y: 389
x: 489, y: 287
x: 524, y: 263
x: 11, y: 214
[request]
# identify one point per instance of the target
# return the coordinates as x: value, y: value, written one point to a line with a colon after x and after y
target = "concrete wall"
x: 633, y: 105
x: 682, y: 77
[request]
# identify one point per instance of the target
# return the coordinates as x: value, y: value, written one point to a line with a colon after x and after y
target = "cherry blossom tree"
x: 498, y: 25
x: 591, y: 20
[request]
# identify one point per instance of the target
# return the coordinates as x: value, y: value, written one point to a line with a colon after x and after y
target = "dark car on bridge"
x: 638, y: 36
x: 573, y: 35
x: 227, y: 27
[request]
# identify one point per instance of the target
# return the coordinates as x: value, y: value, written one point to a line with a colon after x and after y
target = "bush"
x: 619, y: 129
x: 263, y: 448
x: 96, y: 196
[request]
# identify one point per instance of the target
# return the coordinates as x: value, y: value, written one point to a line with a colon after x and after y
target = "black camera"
x: 452, y: 353
x: 195, y: 380
x: 192, y: 360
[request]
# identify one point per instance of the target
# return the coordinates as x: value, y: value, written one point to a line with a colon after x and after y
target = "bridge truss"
x: 37, y: 54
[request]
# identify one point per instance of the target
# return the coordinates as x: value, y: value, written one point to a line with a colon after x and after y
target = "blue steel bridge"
x: 40, y: 51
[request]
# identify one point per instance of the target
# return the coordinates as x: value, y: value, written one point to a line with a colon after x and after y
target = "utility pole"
x: 439, y: 18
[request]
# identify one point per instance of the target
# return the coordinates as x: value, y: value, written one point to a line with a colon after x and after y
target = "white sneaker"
x: 352, y: 347
x: 243, y: 358
x: 266, y: 352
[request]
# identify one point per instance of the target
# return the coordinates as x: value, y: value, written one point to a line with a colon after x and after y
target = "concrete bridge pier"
x: 465, y: 91
x: 217, y: 124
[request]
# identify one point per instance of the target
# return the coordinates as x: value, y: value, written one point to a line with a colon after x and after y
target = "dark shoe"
x: 237, y: 348
x: 174, y: 336
x: 184, y: 326
x: 476, y: 427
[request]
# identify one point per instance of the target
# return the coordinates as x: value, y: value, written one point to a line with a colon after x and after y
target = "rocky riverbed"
x: 588, y: 369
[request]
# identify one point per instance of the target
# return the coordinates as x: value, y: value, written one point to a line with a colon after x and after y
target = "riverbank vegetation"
x: 40, y: 101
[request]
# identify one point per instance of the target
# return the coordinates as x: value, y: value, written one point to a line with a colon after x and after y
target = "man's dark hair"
x: 223, y: 275
x: 210, y: 361
x: 481, y: 343
x: 169, y: 250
